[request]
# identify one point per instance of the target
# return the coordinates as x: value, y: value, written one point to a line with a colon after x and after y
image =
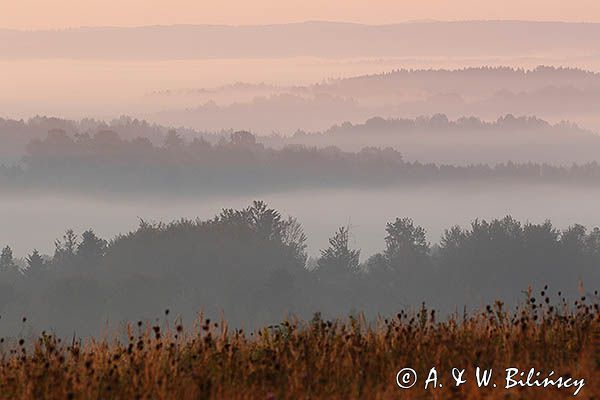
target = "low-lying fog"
x: 110, y: 88
x: 36, y: 221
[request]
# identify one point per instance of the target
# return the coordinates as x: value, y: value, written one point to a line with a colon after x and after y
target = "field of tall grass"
x: 349, y: 358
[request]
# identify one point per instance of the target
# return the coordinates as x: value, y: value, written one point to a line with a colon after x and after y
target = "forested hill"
x: 427, y: 139
x: 108, y: 164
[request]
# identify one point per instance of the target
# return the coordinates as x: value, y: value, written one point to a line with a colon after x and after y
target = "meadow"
x: 349, y: 358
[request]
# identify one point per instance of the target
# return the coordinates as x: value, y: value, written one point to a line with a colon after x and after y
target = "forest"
x: 252, y: 265
x: 105, y: 163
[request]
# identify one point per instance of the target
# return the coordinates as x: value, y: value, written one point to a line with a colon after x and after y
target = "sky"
x: 58, y: 14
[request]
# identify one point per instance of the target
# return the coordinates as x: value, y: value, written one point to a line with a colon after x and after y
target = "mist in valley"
x: 321, y: 211
x: 292, y: 169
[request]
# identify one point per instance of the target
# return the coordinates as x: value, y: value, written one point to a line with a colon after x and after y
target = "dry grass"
x: 345, y: 359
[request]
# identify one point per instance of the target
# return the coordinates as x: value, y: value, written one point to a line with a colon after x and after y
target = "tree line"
x: 241, y: 163
x: 253, y: 265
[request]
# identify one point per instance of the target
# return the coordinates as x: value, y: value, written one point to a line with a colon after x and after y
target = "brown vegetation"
x: 343, y: 359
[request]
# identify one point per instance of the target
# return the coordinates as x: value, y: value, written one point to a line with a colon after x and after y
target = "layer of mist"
x: 554, y: 94
x: 434, y: 139
x: 435, y: 207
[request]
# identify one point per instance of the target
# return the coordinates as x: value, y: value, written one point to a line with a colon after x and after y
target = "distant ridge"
x: 315, y: 38
x: 305, y: 23
x: 565, y: 73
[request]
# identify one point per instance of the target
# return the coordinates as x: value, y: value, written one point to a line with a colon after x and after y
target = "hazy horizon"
x: 64, y: 13
x: 108, y: 72
x: 301, y: 22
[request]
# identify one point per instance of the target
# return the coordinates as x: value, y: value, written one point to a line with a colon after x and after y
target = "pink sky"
x: 43, y: 14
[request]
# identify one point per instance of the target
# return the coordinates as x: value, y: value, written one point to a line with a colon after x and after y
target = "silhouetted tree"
x: 9, y: 274
x: 173, y: 140
x: 65, y: 249
x: 338, y: 259
x: 6, y: 259
x: 294, y: 238
x: 35, y: 263
x: 405, y: 244
x: 91, y: 249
